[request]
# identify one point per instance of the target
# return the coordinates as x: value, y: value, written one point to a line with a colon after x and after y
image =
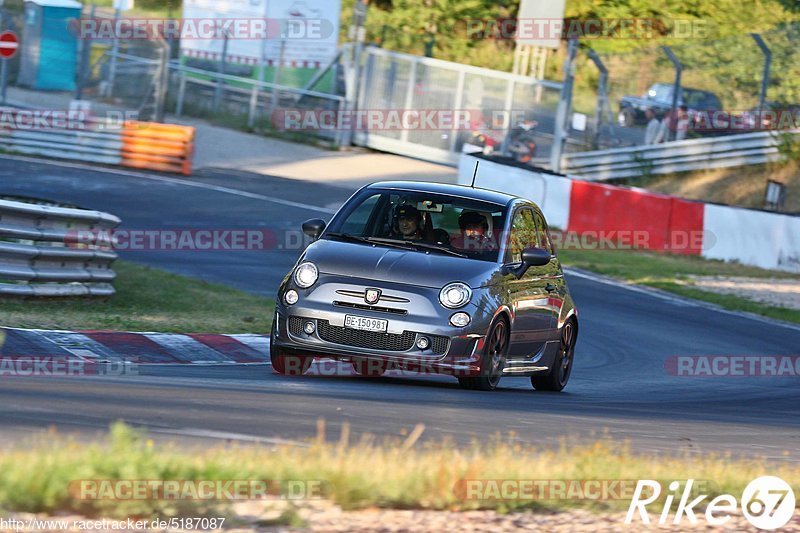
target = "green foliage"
x: 719, y: 55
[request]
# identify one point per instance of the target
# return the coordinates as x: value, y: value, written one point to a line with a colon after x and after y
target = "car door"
x: 551, y: 274
x: 528, y: 296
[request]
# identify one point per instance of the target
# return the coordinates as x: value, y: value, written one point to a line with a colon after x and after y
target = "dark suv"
x: 659, y: 99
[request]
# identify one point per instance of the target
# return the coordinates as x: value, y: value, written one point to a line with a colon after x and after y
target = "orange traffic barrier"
x: 154, y: 146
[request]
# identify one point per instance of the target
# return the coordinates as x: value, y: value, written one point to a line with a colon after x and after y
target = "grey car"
x: 430, y: 278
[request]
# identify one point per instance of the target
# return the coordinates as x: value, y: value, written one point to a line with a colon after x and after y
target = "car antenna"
x: 475, y: 174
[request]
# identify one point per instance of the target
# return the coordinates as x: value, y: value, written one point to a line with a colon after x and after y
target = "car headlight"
x: 455, y: 295
x: 306, y: 275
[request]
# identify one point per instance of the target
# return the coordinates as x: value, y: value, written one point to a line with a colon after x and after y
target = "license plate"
x: 365, y: 323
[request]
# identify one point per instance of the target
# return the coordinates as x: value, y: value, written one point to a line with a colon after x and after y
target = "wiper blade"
x: 372, y: 240
x: 423, y: 245
x: 438, y: 248
x: 347, y: 237
x: 403, y: 245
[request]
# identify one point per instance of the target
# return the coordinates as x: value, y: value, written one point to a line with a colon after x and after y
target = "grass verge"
x: 149, y: 299
x: 672, y: 273
x: 393, y: 474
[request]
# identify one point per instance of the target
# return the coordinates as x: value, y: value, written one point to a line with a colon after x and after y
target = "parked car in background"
x: 659, y: 99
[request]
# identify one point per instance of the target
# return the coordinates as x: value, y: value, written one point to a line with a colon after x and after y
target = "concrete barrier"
x: 748, y: 236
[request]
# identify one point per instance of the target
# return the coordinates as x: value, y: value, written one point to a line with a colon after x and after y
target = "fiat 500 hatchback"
x: 430, y: 278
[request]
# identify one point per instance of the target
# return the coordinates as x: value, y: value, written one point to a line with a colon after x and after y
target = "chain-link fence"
x: 721, y: 85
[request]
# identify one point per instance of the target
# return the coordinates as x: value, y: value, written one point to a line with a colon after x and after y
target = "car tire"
x: 626, y: 117
x: 288, y: 364
x: 557, y: 377
x: 493, y: 359
x: 369, y: 367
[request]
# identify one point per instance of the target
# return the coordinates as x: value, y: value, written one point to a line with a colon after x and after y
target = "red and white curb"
x: 134, y: 348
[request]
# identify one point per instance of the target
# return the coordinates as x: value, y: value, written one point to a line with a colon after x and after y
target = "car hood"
x: 395, y: 265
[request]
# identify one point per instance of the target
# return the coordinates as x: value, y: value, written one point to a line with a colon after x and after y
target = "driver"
x: 474, y: 232
x: 408, y: 222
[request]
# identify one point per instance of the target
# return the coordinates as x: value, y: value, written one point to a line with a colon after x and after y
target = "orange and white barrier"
x: 154, y: 146
x: 78, y: 136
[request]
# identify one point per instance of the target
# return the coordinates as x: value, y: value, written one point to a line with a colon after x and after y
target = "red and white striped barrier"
x: 670, y: 224
x: 93, y: 347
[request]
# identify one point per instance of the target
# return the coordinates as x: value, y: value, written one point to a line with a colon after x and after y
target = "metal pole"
x: 3, y: 81
x: 85, y: 57
x: 181, y: 95
x: 112, y: 69
x: 277, y: 78
x: 163, y: 81
x: 564, y: 105
x: 221, y: 72
x: 767, y: 64
x: 602, y: 95
x: 359, y: 21
x: 676, y: 90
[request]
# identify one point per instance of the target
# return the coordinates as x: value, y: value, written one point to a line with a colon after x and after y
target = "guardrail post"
x: 251, y: 114
x: 676, y: 89
x: 181, y: 94
x: 564, y: 105
x: 221, y: 70
x: 767, y: 64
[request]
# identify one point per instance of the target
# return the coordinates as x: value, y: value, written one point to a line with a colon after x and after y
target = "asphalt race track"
x: 619, y: 387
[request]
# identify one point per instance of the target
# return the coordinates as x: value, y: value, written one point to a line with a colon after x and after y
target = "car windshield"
x: 425, y: 222
x: 660, y: 92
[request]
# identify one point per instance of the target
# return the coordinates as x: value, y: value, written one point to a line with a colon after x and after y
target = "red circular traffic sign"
x: 9, y: 43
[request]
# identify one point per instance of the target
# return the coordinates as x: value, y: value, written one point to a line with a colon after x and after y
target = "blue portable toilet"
x: 49, y: 51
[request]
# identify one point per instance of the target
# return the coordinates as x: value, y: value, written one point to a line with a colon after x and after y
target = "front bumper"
x: 414, y: 312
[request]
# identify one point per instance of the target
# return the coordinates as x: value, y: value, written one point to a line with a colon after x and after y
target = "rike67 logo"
x: 767, y: 502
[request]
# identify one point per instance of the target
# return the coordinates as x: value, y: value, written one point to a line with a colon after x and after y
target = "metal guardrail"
x: 679, y: 156
x: 40, y: 254
x: 256, y: 99
x: 74, y: 136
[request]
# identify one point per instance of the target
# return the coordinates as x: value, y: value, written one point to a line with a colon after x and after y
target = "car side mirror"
x: 531, y: 257
x: 314, y: 227
x: 535, y: 257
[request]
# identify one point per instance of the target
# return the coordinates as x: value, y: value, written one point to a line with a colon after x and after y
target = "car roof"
x: 462, y: 191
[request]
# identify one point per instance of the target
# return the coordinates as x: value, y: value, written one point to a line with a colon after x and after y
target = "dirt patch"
x: 777, y: 292
x: 742, y: 186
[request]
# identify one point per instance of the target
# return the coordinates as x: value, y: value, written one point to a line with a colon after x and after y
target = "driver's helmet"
x: 472, y: 218
x: 406, y: 211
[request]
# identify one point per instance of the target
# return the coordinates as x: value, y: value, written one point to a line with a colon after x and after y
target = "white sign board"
x: 123, y: 5
x: 540, y: 23
x: 307, y: 30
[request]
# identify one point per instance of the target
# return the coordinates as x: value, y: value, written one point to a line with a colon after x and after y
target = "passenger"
x: 474, y: 233
x: 408, y: 223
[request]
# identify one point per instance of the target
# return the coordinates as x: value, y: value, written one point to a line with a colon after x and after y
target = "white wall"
x: 551, y: 193
x: 757, y: 238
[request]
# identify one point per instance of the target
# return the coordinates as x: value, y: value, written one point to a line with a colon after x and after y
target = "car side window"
x: 542, y: 233
x: 523, y: 235
x: 357, y: 221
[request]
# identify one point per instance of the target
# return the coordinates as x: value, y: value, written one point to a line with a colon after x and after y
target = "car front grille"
x: 295, y: 325
x: 439, y: 344
x: 389, y: 342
